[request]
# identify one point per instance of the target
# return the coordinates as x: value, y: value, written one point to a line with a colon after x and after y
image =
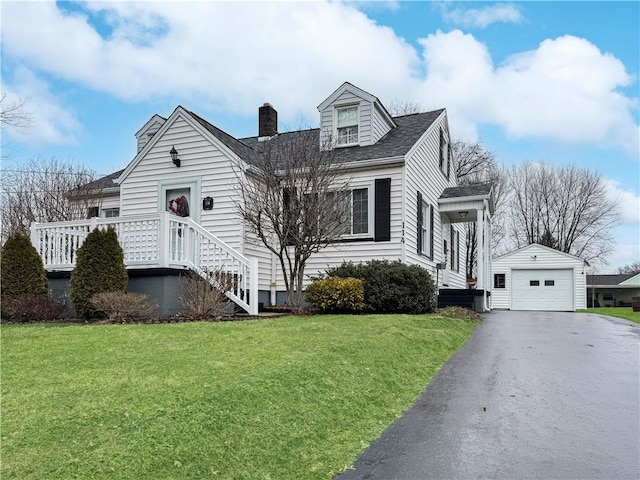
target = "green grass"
x: 621, y: 312
x: 288, y: 398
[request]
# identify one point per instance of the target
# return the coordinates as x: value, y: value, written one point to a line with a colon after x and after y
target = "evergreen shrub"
x: 336, y: 294
x: 99, y: 268
x: 22, y: 271
x: 391, y: 287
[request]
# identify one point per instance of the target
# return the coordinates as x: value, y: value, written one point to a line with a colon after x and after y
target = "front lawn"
x: 622, y: 312
x: 288, y: 398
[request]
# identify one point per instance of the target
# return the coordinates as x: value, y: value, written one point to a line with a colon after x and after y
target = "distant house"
x: 536, y: 277
x: 612, y: 290
x: 173, y: 206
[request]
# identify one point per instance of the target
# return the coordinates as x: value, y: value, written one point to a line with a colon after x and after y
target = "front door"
x: 180, y: 200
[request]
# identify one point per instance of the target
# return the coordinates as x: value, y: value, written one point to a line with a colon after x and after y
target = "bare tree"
x: 564, y: 207
x: 472, y: 163
x: 12, y: 113
x: 402, y: 107
x: 630, y: 268
x: 296, y: 200
x: 45, y: 191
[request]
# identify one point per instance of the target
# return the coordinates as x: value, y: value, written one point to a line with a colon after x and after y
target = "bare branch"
x: 45, y: 191
x: 13, y: 114
x: 296, y: 200
x: 566, y: 208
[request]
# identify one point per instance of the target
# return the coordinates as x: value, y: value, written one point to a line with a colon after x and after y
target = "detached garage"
x: 538, y: 278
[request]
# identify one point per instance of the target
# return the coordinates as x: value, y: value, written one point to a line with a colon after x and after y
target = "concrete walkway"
x: 533, y: 395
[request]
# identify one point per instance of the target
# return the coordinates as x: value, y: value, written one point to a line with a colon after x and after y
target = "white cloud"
x: 48, y: 121
x: 234, y: 56
x: 220, y: 53
x: 629, y: 202
x: 565, y: 90
x: 483, y: 17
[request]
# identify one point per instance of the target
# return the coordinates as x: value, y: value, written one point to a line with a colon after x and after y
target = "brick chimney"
x: 267, y: 121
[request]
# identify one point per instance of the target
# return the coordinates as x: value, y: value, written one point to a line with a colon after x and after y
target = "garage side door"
x: 542, y: 290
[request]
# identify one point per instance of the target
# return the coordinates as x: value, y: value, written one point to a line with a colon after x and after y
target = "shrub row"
x: 389, y: 287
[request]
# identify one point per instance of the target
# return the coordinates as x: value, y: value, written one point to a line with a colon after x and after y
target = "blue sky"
x: 543, y: 81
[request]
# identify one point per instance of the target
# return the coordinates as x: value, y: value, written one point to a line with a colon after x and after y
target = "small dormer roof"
x: 346, y: 86
x: 155, y: 119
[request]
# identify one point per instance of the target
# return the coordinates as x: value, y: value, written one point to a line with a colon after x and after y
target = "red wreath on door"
x: 179, y: 206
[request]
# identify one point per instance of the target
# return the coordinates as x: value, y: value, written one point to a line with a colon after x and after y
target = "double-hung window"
x: 425, y: 246
x: 347, y: 125
x: 350, y: 208
x: 360, y: 211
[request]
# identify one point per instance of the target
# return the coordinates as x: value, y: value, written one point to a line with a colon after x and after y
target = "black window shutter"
x: 289, y: 217
x: 420, y: 220
x: 441, y: 148
x: 431, y: 233
x: 383, y: 210
x: 449, y: 156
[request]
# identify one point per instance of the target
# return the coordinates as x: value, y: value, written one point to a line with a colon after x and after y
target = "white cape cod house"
x: 173, y: 206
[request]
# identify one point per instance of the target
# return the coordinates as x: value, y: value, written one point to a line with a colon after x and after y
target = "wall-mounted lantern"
x: 174, y: 156
x: 207, y: 203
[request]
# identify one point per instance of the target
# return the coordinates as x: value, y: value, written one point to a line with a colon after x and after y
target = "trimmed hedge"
x: 391, y: 287
x: 21, y: 268
x: 335, y: 294
x: 99, y: 268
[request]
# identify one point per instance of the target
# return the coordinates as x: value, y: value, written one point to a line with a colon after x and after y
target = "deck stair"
x: 158, y: 240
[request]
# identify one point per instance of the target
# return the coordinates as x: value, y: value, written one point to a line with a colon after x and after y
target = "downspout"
x: 274, y: 278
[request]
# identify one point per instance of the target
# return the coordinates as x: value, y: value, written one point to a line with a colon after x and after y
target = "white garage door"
x: 542, y: 290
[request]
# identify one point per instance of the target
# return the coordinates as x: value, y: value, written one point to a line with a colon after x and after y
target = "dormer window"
x: 347, y: 125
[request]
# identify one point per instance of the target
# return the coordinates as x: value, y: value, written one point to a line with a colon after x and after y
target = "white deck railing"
x: 152, y: 241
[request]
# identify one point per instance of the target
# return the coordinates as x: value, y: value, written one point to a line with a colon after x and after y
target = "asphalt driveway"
x: 539, y: 395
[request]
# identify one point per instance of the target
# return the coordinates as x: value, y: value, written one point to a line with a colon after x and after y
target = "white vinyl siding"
x: 372, y: 122
x: 540, y: 263
x: 423, y: 176
x: 201, y: 160
x: 362, y: 250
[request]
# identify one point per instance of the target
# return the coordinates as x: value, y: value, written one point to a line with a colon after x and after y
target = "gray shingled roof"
x: 473, y: 190
x: 608, y: 279
x: 239, y: 148
x: 107, y: 181
x: 395, y: 143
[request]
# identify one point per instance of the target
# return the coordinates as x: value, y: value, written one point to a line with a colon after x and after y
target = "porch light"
x: 174, y: 156
x: 463, y: 214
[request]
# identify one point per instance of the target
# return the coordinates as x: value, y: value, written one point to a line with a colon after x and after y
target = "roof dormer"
x: 149, y: 130
x: 352, y: 117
